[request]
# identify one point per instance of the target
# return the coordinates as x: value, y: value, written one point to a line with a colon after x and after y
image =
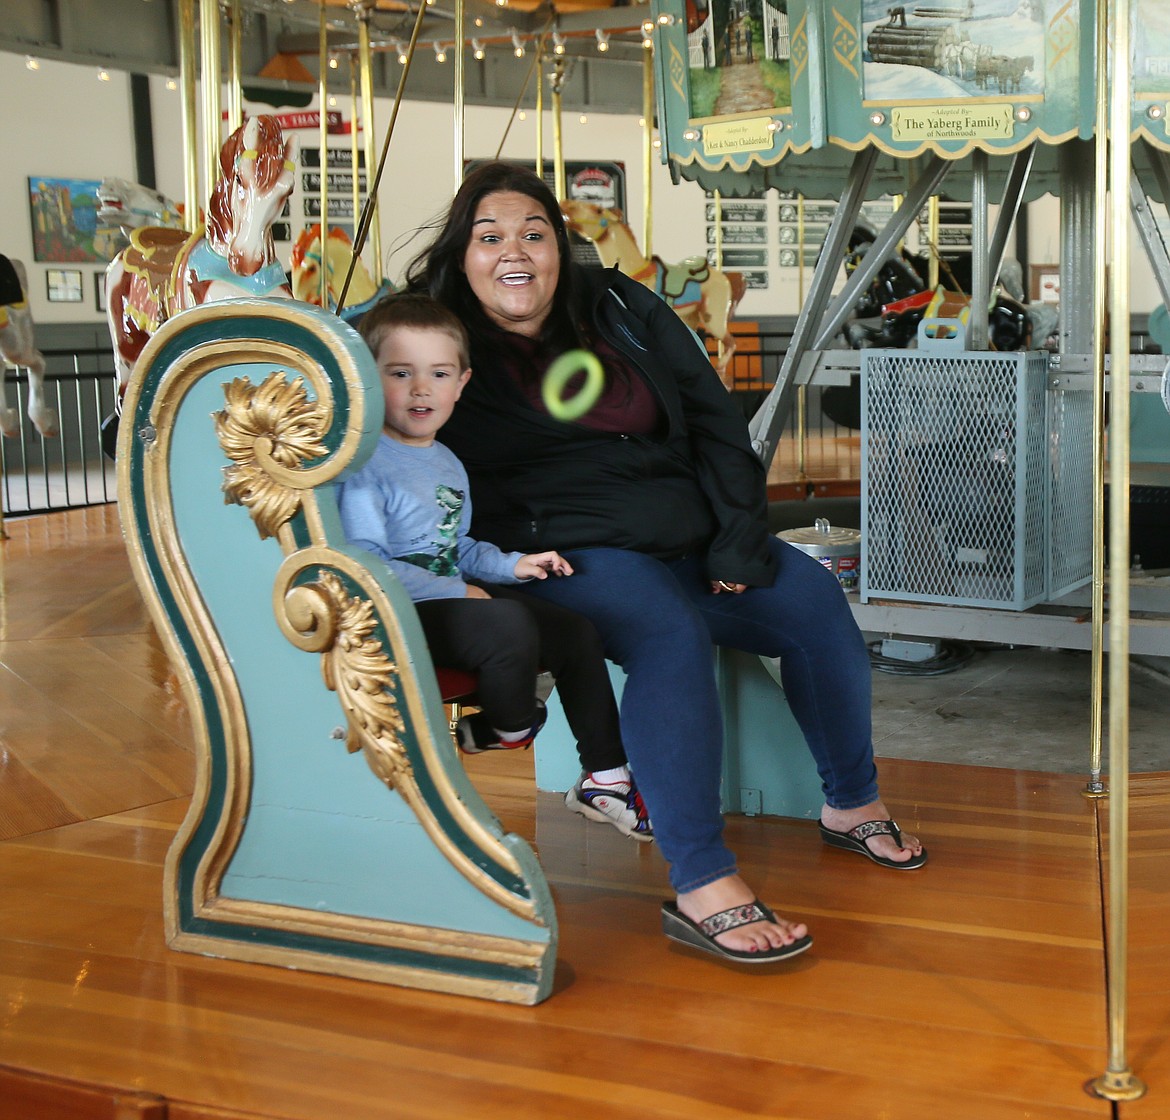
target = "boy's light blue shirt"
x: 411, y: 506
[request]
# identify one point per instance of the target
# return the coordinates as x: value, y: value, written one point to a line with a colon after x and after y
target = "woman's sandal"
x: 701, y: 935
x: 855, y: 841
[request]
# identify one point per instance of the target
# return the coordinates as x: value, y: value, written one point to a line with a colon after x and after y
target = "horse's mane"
x: 270, y: 158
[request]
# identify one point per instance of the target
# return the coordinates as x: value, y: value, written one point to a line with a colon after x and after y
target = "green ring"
x: 567, y: 366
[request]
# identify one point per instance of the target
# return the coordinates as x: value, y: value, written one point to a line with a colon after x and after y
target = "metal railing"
x: 67, y: 471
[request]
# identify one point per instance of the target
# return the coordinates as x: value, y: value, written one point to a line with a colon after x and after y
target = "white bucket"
x: 838, y: 549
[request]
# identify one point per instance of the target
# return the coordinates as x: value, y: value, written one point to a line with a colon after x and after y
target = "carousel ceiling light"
x: 479, y: 21
x: 401, y: 52
x: 775, y: 126
x: 31, y: 63
x: 517, y: 45
x: 647, y: 42
x: 691, y: 134
x: 332, y: 101
x: 877, y: 118
x: 172, y: 85
x: 1023, y: 113
x: 1154, y: 112
x: 666, y: 19
x: 647, y: 27
x: 656, y: 142
x: 558, y: 43
x: 440, y: 54
x: 602, y: 40
x: 333, y: 62
x: 477, y: 49
x: 584, y: 119
x: 522, y: 115
x: 103, y: 75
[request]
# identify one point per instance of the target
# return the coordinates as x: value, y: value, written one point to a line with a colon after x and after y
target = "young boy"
x: 410, y: 505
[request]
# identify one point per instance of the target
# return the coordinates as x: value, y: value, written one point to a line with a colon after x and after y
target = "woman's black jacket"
x: 696, y: 486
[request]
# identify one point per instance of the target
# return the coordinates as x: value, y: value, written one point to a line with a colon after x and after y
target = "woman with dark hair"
x: 658, y: 502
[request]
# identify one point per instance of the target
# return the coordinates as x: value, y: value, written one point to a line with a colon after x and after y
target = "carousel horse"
x: 18, y: 348
x: 165, y: 271
x: 702, y: 296
x: 307, y: 259
x: 128, y: 206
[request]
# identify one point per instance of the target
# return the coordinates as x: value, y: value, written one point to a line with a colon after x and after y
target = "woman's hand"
x: 471, y: 591
x: 538, y: 565
x: 722, y: 587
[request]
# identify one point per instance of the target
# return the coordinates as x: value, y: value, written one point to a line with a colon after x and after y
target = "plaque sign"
x: 952, y: 122
x: 751, y: 135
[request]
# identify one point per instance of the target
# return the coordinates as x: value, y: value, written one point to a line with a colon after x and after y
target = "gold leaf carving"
x: 275, y: 422
x: 358, y: 670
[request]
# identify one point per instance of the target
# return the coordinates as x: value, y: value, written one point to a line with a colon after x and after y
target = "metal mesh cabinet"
x: 976, y: 475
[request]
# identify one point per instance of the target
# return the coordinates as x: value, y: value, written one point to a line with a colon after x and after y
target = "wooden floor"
x: 972, y: 990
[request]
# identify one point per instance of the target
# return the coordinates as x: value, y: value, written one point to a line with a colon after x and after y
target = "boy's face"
x: 422, y: 378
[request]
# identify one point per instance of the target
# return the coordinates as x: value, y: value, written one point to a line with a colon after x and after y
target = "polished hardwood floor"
x: 974, y: 989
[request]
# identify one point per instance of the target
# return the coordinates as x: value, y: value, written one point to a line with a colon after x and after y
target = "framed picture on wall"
x: 64, y: 221
x: 99, y: 291
x: 63, y: 285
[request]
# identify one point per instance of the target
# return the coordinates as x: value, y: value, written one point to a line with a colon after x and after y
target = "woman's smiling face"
x: 512, y: 262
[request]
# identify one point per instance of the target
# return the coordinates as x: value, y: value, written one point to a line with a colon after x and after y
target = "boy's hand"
x: 471, y: 591
x: 538, y: 565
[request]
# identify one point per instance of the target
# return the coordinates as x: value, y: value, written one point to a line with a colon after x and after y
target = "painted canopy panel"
x: 745, y: 85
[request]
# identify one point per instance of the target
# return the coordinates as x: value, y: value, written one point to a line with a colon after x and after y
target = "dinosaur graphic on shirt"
x: 444, y: 560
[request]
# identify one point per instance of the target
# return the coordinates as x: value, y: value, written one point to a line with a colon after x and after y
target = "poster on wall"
x: 64, y: 221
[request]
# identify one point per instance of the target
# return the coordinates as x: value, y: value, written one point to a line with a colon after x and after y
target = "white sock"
x: 512, y: 736
x: 611, y: 777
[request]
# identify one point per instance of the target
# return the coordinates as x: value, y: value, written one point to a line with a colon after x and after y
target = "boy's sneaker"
x: 475, y: 734
x: 619, y: 804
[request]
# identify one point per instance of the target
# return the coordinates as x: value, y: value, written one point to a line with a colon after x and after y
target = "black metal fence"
x: 69, y: 470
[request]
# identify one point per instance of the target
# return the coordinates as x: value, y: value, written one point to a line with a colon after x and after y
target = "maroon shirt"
x: 626, y: 405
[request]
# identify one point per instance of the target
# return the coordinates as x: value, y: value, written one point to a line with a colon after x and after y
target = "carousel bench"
x: 332, y: 827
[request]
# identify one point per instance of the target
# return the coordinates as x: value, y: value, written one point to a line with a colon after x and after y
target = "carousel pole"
x: 363, y: 229
x: 558, y: 136
x: 1118, y: 1083
x: 323, y: 136
x: 354, y: 160
x: 539, y: 112
x: 460, y: 107
x: 187, y: 76
x: 209, y: 49
x: 648, y: 149
x: 364, y: 8
x: 1095, y: 787
x: 235, y: 111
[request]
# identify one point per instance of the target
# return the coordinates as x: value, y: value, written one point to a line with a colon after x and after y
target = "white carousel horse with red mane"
x: 308, y: 259
x: 703, y: 297
x: 18, y: 348
x: 165, y: 271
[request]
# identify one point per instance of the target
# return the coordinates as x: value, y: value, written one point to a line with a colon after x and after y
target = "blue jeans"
x: 658, y: 621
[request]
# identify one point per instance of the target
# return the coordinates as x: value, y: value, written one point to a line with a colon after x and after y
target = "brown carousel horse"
x: 703, y: 297
x: 165, y: 271
x: 18, y: 348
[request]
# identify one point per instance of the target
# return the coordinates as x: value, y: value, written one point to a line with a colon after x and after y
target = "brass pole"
x: 932, y: 233
x: 647, y: 150
x: 368, y: 210
x: 209, y: 43
x: 235, y: 112
x: 539, y: 111
x: 1118, y: 1082
x: 367, y: 81
x: 460, y: 107
x: 558, y: 136
x: 355, y: 186
x: 1095, y: 787
x: 323, y: 134
x: 188, y: 73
